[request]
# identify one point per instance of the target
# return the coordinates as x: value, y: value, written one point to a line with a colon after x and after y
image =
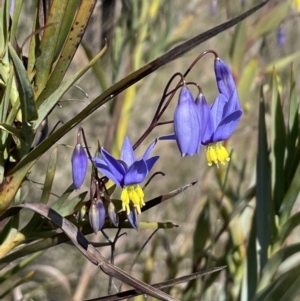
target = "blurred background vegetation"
x: 244, y: 215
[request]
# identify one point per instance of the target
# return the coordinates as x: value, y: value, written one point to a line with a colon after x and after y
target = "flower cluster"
x: 196, y: 123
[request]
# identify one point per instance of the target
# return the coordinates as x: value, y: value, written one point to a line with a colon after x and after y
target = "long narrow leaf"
x: 278, y: 143
x: 72, y: 42
x: 286, y: 287
x: 48, y: 44
x: 263, y: 188
x: 274, y: 262
x: 49, y: 177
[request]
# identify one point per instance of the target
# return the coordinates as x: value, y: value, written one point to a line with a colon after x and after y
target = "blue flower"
x: 128, y: 173
x: 281, y: 36
x: 187, y: 124
x: 97, y: 215
x: 79, y: 165
x: 222, y: 116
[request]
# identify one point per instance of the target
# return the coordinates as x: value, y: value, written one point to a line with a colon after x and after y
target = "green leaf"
x: 49, y: 177
x: 15, y: 19
x: 59, y: 203
x: 4, y: 25
x: 287, y: 228
x: 247, y: 79
x: 13, y: 269
x: 264, y: 211
x: 71, y: 44
x: 285, y: 287
x: 282, y: 62
x: 238, y: 47
x: 12, y: 285
x: 278, y: 143
x: 11, y: 130
x: 97, y: 67
x: 4, y: 105
x: 28, y: 107
x: 290, y: 197
x: 68, y: 18
x: 201, y: 234
x: 251, y: 259
x: 53, y: 99
x: 274, y: 262
x: 34, y: 45
x: 271, y: 20
x: 68, y: 207
x: 45, y: 59
x: 293, y: 131
x: 5, y: 229
x: 11, y: 185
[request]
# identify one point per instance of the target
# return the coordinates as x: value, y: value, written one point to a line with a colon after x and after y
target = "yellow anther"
x: 125, y: 200
x: 216, y: 153
x: 211, y: 155
x: 135, y: 194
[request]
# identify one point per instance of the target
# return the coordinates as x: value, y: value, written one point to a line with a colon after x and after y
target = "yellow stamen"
x: 216, y: 153
x: 125, y: 200
x: 135, y: 194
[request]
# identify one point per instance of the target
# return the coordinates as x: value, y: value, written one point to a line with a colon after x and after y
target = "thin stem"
x: 54, y: 128
x: 177, y: 87
x: 81, y: 130
x: 198, y: 58
x: 164, y: 122
x: 155, y: 174
x: 158, y: 114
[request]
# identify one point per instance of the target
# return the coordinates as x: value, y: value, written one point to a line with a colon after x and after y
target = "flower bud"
x: 113, y: 216
x: 187, y: 124
x: 133, y: 217
x: 225, y: 81
x: 97, y: 215
x: 79, y: 165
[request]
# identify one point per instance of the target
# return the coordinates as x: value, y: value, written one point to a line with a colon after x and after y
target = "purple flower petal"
x: 79, y: 165
x: 97, y: 215
x: 204, y: 113
x: 209, y: 131
x: 217, y: 109
x: 101, y: 164
x: 137, y: 173
x: 224, y: 78
x: 127, y: 153
x: 227, y: 126
x: 167, y: 137
x: 187, y: 126
x: 149, y: 149
x: 150, y: 162
x: 232, y: 105
x: 115, y: 166
x: 133, y: 218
